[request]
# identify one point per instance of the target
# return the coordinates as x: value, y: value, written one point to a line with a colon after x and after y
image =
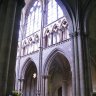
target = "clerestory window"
x: 54, y: 11
x: 33, y: 22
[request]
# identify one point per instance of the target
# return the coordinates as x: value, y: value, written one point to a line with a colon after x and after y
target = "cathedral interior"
x: 48, y: 47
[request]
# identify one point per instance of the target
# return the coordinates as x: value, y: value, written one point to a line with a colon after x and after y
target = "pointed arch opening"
x: 29, y: 76
x: 58, y: 76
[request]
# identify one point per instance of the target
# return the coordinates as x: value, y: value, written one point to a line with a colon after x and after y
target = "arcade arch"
x: 57, y: 76
x: 29, y: 77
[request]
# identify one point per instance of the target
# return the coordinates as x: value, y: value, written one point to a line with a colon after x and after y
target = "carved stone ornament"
x: 47, y: 32
x: 30, y: 40
x: 24, y: 43
x: 36, y: 38
x: 55, y: 28
x: 64, y: 24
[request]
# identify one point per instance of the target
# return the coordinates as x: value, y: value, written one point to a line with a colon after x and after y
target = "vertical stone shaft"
x: 12, y: 62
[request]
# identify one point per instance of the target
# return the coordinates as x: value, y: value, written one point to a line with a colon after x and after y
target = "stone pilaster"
x: 21, y: 81
x: 75, y: 71
x: 45, y: 85
x: 73, y: 68
x: 84, y: 66
x: 64, y: 88
x: 39, y: 79
x: 80, y: 78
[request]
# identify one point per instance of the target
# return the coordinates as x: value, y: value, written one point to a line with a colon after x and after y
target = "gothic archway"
x: 57, y: 78
x: 29, y: 76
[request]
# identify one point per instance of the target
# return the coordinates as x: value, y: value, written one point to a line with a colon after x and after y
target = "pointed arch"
x: 50, y: 58
x: 57, y: 71
x: 25, y: 66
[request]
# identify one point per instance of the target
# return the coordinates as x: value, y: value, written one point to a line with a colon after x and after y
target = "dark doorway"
x: 60, y: 91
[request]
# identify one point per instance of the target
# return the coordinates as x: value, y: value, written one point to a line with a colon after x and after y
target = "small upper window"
x: 34, y: 19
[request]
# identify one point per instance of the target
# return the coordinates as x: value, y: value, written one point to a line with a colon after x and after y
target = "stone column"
x: 12, y: 62
x: 3, y: 11
x: 6, y: 44
x: 38, y: 86
x: 39, y: 78
x: 21, y: 81
x: 82, y: 48
x: 64, y: 88
x: 81, y: 70
x: 45, y: 85
x: 9, y: 10
x: 75, y: 69
x: 84, y: 66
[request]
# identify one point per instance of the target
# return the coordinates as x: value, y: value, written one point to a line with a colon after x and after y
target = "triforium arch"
x: 28, y: 78
x: 57, y: 77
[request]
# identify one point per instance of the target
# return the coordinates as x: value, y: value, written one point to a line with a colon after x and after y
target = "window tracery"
x: 33, y: 22
x: 54, y: 11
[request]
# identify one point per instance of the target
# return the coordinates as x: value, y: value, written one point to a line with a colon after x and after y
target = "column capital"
x: 76, y: 34
x: 21, y: 79
x: 73, y: 34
